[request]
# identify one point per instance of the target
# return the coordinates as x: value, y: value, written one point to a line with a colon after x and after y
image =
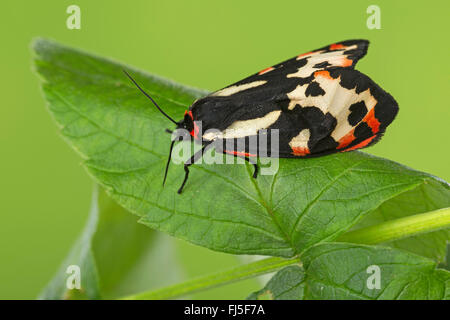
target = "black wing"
x: 244, y: 99
x: 317, y: 101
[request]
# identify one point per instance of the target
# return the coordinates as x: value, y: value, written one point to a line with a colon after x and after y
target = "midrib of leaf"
x: 264, y: 204
x: 272, y: 187
x: 229, y: 182
x: 172, y: 212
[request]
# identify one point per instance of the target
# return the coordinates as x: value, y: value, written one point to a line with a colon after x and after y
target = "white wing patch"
x: 243, y: 128
x: 336, y: 100
x: 238, y: 88
x: 301, y: 140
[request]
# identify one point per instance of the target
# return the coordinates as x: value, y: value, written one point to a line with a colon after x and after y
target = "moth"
x: 317, y: 101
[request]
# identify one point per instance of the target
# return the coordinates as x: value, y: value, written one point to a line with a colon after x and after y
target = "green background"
x: 207, y: 44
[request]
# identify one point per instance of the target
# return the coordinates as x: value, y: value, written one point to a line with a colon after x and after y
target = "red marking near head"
x: 194, y: 132
x: 300, y: 151
x: 361, y: 144
x: 337, y: 46
x: 239, y: 153
x: 266, y: 70
x: 346, y: 140
x: 371, y: 121
x: 323, y: 73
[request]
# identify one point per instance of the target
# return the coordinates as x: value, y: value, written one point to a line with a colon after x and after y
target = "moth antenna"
x: 168, y: 162
x: 148, y: 96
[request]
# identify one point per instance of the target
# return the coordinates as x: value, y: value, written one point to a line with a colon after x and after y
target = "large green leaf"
x: 116, y: 256
x: 343, y: 271
x: 121, y: 138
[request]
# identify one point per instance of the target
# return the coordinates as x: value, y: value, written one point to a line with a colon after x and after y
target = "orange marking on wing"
x: 239, y: 153
x: 371, y: 121
x: 304, y: 54
x: 323, y: 73
x: 266, y: 70
x: 300, y: 151
x: 361, y: 144
x: 345, y: 62
x: 346, y: 140
x: 337, y: 46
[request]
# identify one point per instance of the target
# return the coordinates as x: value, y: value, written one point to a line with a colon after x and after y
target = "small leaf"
x: 121, y: 138
x: 342, y: 271
x: 113, y: 254
x: 286, y: 284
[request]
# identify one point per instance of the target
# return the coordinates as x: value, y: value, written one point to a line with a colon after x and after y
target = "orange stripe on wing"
x: 346, y: 140
x: 304, y: 54
x: 300, y: 151
x: 266, y: 70
x: 361, y: 144
x: 240, y: 153
x: 337, y: 46
x: 371, y: 121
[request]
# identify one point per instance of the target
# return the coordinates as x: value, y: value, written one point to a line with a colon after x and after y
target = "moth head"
x: 188, y: 124
x: 188, y: 121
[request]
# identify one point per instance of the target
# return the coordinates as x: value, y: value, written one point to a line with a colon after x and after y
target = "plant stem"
x: 215, y: 279
x: 383, y: 232
x: 400, y: 228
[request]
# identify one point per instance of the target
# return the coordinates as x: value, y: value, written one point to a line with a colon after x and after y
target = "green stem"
x: 383, y: 232
x: 400, y: 228
x: 215, y: 279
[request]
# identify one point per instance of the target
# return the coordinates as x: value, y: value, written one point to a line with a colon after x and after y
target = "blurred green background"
x: 207, y: 44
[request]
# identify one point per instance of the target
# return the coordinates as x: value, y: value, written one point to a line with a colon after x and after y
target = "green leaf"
x: 286, y: 284
x: 340, y: 271
x: 427, y: 197
x: 121, y: 138
x: 116, y: 256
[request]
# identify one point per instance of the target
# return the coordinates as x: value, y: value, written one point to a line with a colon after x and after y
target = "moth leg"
x: 190, y: 162
x: 255, y: 164
x: 169, y: 131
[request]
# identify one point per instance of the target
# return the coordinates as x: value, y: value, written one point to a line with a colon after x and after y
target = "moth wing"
x: 317, y: 102
x: 338, y: 110
x: 341, y: 54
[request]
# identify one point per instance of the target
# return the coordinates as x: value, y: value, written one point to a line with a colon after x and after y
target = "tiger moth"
x: 318, y: 103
